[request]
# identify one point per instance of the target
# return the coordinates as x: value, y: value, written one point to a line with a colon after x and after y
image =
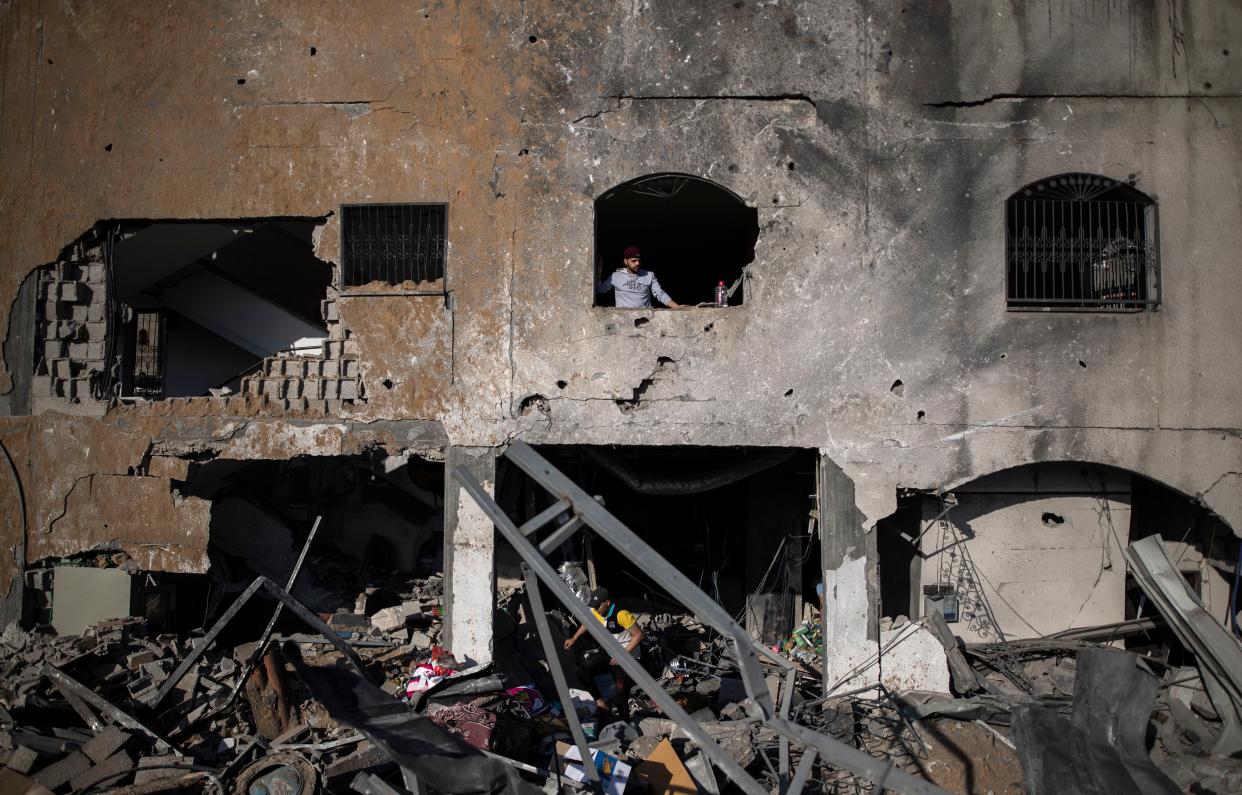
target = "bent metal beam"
x: 613, y: 531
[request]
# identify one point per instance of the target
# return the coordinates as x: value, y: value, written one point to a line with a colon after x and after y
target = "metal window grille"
x: 149, y: 355
x: 1080, y: 242
x: 393, y: 243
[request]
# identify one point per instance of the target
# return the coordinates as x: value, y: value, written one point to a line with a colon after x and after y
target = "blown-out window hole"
x: 692, y: 234
x: 179, y: 286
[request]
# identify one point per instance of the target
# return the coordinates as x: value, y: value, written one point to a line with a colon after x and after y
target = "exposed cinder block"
x: 95, y: 351
x: 95, y: 312
x: 66, y: 329
x: 350, y: 369
x: 329, y: 311
x: 96, y: 274
x: 293, y: 389
x: 54, y: 349
x: 69, y: 291
x: 331, y: 368
x: 78, y: 312
x: 270, y: 388
x: 349, y: 390
x: 62, y: 368
x: 81, y: 388
x: 351, y: 347
x: 78, y: 351
x: 96, y: 331
x: 41, y: 386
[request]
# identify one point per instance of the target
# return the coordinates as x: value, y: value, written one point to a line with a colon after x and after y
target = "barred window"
x: 1081, y: 242
x: 393, y: 243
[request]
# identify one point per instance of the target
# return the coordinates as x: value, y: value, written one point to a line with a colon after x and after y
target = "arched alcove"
x: 1037, y: 549
x: 693, y: 234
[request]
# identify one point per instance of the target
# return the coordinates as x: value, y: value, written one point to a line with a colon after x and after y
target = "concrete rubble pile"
x: 364, y: 699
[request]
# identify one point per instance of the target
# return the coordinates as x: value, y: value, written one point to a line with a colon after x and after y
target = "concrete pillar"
x: 469, y: 557
x: 851, y: 574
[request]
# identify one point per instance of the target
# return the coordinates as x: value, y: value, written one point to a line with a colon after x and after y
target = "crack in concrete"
x: 974, y: 103
x: 1216, y: 482
x: 64, y: 508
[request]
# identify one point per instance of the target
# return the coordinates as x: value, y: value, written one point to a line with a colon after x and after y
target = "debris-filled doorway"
x: 380, y: 537
x: 735, y: 520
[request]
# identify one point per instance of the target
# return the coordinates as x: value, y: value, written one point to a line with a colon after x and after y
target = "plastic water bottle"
x: 722, y: 294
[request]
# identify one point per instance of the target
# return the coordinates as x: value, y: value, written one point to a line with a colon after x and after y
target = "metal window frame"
x: 586, y: 512
x: 1152, y: 270
x: 348, y: 291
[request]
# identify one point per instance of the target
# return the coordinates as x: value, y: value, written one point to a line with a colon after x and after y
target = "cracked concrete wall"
x: 878, y: 143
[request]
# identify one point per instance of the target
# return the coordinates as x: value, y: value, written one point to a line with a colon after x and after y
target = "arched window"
x: 693, y: 235
x: 1078, y: 242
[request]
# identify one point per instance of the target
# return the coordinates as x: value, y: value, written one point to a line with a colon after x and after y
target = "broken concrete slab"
x: 105, y: 744
x: 60, y: 772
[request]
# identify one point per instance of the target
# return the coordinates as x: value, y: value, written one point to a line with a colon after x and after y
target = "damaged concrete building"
x: 273, y: 261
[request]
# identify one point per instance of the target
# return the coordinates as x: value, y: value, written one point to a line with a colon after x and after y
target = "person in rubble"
x: 634, y: 287
x: 622, y: 625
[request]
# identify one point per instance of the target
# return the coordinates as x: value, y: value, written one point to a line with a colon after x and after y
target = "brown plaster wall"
x: 877, y: 142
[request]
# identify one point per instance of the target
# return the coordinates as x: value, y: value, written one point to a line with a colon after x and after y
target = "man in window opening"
x: 634, y: 286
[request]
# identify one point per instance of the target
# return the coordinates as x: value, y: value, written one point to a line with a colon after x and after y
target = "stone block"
x: 96, y: 274
x: 78, y: 351
x: 78, y: 312
x: 351, y: 347
x: 95, y: 351
x: 95, y: 331
x: 350, y: 369
x: 332, y: 368
x: 62, y: 368
x: 329, y: 311
x: 270, y: 388
x: 51, y: 311
x: 22, y: 760
x: 81, y: 388
x: 349, y: 390
x: 293, y: 389
x: 66, y: 329
x: 95, y: 312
